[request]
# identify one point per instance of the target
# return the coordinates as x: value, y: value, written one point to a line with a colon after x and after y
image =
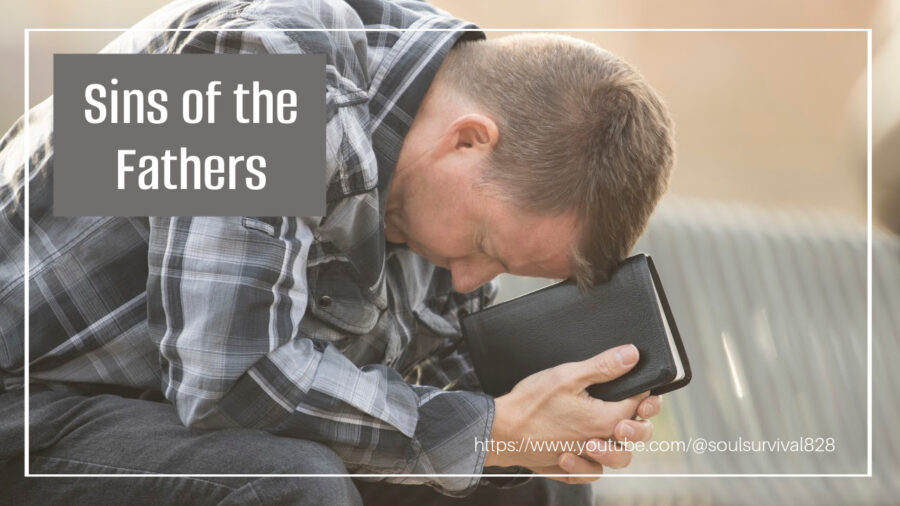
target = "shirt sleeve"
x: 450, y: 367
x: 226, y: 296
x: 225, y: 300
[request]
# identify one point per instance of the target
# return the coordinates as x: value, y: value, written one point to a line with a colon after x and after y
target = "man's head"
x: 538, y: 155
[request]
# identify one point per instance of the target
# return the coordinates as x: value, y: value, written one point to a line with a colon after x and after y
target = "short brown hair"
x: 580, y: 130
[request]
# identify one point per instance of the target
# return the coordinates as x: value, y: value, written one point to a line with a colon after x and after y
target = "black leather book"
x: 561, y: 323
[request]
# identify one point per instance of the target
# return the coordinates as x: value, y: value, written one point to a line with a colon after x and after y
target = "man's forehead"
x: 536, y: 246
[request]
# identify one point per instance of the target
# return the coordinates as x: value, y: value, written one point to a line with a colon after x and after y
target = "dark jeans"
x: 76, y: 433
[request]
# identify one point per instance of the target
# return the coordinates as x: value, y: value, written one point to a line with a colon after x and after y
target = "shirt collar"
x: 398, y: 88
x: 394, y: 96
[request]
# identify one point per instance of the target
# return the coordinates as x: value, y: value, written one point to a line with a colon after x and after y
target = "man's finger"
x: 633, y: 430
x: 650, y: 407
x: 573, y: 464
x: 606, y: 366
x: 608, y: 453
x: 608, y: 414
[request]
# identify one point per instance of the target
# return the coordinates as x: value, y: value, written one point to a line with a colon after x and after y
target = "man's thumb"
x: 608, y: 365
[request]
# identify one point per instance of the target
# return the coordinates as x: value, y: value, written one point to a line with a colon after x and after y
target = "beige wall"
x: 776, y: 119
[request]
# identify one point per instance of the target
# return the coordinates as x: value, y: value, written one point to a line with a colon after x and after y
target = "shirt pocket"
x: 339, y: 312
x: 337, y: 298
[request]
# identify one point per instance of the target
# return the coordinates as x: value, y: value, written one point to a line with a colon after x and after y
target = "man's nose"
x: 468, y: 276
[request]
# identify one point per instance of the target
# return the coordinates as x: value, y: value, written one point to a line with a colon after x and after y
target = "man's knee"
x: 300, y: 491
x: 147, y: 436
x: 277, y: 455
x: 249, y: 451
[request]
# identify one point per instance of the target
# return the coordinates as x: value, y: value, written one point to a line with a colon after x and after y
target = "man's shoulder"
x: 240, y: 26
x: 335, y: 28
x: 286, y: 14
x: 358, y: 38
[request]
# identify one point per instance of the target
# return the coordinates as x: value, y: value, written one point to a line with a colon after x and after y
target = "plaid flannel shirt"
x: 308, y: 327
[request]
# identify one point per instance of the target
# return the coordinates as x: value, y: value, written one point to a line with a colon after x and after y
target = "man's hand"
x: 552, y: 405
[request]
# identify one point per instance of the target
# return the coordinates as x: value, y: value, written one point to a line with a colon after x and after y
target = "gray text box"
x: 87, y: 156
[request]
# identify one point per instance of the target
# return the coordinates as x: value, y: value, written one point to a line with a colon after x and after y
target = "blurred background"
x: 761, y: 242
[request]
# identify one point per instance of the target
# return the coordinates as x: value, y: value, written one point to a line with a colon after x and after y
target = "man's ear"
x: 470, y: 131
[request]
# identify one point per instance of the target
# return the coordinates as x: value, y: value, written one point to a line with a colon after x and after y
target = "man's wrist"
x: 504, y: 429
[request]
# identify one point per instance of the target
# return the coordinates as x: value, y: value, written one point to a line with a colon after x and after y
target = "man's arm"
x: 224, y: 307
x: 225, y: 303
x: 555, y: 395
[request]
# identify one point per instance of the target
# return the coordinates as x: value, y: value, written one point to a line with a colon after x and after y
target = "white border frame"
x: 868, y: 474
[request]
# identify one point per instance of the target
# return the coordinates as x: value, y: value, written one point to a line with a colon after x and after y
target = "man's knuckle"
x: 642, y: 431
x: 559, y: 374
x: 603, y: 367
x: 647, y: 408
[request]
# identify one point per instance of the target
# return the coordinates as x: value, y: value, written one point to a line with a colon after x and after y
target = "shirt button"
x: 462, y: 313
x: 324, y: 301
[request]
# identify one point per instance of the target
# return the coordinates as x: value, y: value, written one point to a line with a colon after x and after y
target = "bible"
x: 561, y: 323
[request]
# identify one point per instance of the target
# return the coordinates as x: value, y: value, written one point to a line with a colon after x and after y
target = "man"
x: 327, y: 345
